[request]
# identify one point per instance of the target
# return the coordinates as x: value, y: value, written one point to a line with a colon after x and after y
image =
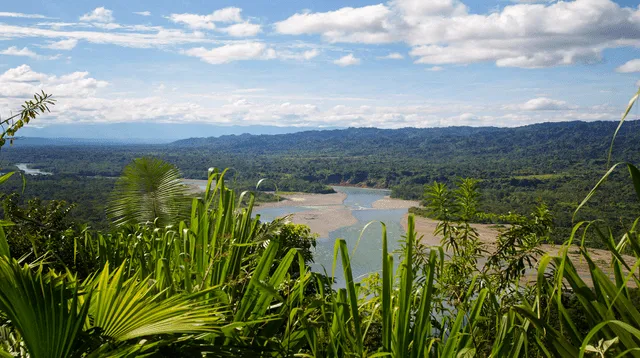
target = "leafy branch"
x: 30, y: 110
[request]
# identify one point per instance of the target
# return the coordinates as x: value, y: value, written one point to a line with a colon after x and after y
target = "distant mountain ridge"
x: 568, y: 139
x: 147, y: 132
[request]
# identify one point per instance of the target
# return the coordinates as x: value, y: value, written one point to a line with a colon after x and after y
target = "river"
x: 368, y: 256
x: 31, y: 171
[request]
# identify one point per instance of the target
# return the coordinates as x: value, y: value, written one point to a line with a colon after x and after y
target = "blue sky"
x: 322, y: 63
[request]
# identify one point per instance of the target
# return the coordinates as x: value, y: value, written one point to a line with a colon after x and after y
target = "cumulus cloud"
x: 541, y: 104
x: 142, y: 13
x: 21, y: 15
x: 83, y: 98
x: 99, y: 14
x: 232, y: 52
x: 14, y: 51
x: 22, y: 81
x: 392, y: 56
x: 233, y: 15
x: 444, y: 31
x: 66, y: 45
x: 348, y: 60
x: 368, y: 24
x: 196, y: 21
x: 630, y: 66
x: 435, y: 69
x: 243, y: 29
x: 25, y: 52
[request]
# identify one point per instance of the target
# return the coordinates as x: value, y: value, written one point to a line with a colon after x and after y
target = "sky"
x: 321, y: 64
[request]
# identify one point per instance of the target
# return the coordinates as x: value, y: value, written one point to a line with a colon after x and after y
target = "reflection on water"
x: 368, y: 256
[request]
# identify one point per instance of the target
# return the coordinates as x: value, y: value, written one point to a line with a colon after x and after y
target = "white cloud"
x: 25, y: 52
x: 541, y: 104
x: 22, y: 81
x: 82, y: 98
x: 232, y: 52
x: 66, y: 45
x: 243, y: 29
x: 307, y: 55
x: 435, y: 69
x: 347, y: 60
x: 444, y: 32
x: 227, y: 14
x: 418, y: 9
x: 156, y: 37
x: 195, y: 21
x: 369, y: 24
x: 392, y: 56
x: 532, y: 1
x: 142, y: 13
x: 14, y: 51
x: 99, y: 14
x: 298, y: 56
x: 630, y: 66
x: 21, y: 15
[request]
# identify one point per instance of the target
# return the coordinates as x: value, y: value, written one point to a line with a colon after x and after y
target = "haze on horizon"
x: 319, y: 64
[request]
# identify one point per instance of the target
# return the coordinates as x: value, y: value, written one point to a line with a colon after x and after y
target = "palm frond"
x: 149, y: 190
x: 47, y: 310
x: 125, y: 309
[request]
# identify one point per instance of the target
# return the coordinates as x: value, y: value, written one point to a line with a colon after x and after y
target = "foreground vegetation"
x: 212, y: 280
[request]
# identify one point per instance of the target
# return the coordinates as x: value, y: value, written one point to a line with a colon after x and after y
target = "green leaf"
x: 6, y: 177
x: 632, y: 101
x: 149, y: 190
x: 4, y: 246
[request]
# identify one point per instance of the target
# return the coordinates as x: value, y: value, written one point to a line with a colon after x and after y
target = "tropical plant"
x: 30, y: 110
x: 10, y: 126
x: 149, y: 190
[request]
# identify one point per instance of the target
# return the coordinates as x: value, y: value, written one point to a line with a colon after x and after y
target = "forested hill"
x: 568, y: 140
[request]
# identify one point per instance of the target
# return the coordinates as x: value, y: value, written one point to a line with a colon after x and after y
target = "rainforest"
x: 107, y: 252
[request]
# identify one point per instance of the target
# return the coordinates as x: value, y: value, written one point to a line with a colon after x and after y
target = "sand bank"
x: 323, y: 221
x: 388, y: 203
x: 302, y: 199
x: 326, y: 212
x: 488, y: 235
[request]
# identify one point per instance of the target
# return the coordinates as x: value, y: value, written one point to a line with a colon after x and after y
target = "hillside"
x: 577, y: 140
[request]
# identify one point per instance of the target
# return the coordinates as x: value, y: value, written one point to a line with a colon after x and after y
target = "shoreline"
x: 425, y: 227
x: 326, y: 212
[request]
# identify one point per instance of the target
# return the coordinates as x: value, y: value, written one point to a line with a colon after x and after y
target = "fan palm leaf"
x: 148, y: 190
x: 46, y: 310
x: 125, y: 309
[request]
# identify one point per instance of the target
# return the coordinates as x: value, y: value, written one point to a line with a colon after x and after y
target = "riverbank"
x: 390, y: 203
x: 304, y: 199
x: 325, y: 213
x: 488, y: 234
